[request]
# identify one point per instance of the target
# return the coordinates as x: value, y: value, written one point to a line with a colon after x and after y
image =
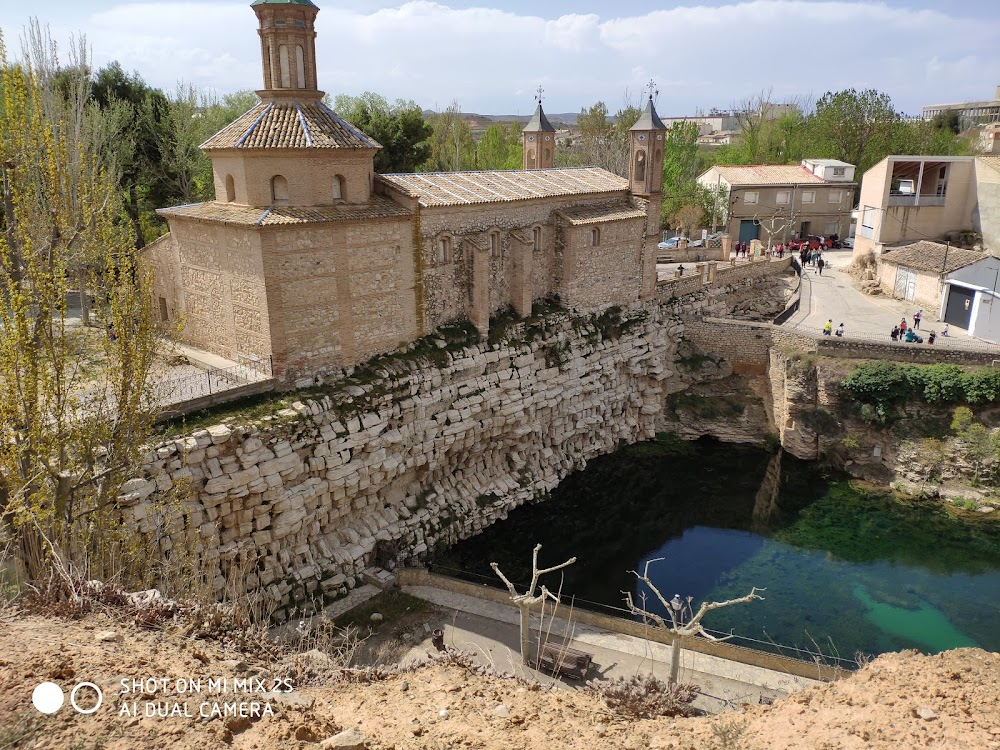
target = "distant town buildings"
x: 970, y: 113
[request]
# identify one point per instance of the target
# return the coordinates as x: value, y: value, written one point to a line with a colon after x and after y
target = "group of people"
x: 908, y: 333
x: 828, y: 328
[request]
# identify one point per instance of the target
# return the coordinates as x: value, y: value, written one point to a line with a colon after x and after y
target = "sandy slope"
x: 900, y: 701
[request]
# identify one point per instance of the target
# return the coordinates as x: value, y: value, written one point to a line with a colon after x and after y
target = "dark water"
x: 845, y: 570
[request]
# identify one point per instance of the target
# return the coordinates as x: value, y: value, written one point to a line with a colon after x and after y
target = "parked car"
x: 812, y: 241
x: 670, y: 244
x: 848, y: 243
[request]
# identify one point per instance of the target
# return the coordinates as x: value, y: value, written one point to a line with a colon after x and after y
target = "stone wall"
x: 301, y: 504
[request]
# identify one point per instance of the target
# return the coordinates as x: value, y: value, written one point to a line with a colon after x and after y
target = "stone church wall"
x: 609, y: 273
x: 301, y: 504
x: 218, y: 281
x: 339, y: 294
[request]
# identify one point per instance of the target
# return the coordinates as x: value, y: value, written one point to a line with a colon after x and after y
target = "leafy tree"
x: 452, y: 146
x: 854, y: 126
x: 977, y: 440
x: 399, y: 127
x: 607, y: 143
x: 74, y: 402
x: 683, y: 162
x: 500, y: 147
x: 140, y: 146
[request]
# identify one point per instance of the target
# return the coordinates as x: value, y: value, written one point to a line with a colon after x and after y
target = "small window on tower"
x: 494, y: 244
x: 640, y: 166
x: 338, y: 187
x: 595, y: 237
x: 230, y: 189
x: 536, y: 239
x: 279, y: 188
x: 444, y: 250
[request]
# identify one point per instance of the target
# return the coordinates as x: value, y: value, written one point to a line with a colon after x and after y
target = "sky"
x: 491, y: 56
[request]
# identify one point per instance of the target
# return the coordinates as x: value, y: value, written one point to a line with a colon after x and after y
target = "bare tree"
x: 675, y: 609
x: 528, y: 599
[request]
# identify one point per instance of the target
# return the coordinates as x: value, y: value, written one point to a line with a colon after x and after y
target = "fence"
x: 761, y: 653
x: 213, y: 381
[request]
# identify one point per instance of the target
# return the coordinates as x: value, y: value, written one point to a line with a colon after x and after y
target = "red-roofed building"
x: 781, y: 202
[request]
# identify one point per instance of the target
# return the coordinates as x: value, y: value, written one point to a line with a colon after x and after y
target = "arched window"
x: 300, y: 64
x: 443, y: 249
x: 531, y: 156
x: 279, y: 188
x: 595, y: 237
x: 494, y: 244
x: 230, y: 189
x: 659, y: 155
x: 536, y: 239
x: 547, y: 152
x: 286, y: 75
x: 338, y: 187
x: 640, y: 166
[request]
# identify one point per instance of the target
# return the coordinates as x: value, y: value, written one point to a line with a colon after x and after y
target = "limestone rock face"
x: 302, y: 504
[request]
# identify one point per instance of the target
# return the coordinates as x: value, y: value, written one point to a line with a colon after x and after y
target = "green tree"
x: 977, y: 441
x: 75, y: 404
x: 683, y: 162
x: 854, y: 126
x: 452, y: 146
x: 399, y: 127
x: 500, y: 147
x: 140, y: 145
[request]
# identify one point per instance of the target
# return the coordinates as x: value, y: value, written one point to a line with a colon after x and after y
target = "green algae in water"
x: 926, y: 624
x: 699, y: 506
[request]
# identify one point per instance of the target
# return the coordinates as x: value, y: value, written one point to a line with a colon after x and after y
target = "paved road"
x: 491, y: 630
x: 835, y: 295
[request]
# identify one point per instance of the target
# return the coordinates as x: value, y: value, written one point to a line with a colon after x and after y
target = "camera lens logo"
x: 48, y: 698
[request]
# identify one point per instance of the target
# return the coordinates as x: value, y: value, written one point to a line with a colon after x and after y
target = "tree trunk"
x: 525, y: 635
x: 675, y: 658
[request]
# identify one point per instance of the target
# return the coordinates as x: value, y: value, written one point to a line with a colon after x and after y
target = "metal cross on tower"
x: 653, y: 91
x: 538, y: 96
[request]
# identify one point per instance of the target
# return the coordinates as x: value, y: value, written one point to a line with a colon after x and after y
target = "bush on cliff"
x: 885, y: 385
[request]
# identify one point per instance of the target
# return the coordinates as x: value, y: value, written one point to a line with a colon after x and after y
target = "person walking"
x: 944, y: 331
x: 819, y: 264
x: 902, y: 327
x: 828, y: 327
x: 840, y: 330
x: 916, y: 319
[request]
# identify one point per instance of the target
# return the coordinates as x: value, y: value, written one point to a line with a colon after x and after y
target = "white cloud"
x: 491, y: 59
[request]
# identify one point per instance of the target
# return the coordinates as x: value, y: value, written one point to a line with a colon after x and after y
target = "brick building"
x: 310, y: 258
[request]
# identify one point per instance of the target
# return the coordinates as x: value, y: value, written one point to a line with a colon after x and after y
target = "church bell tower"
x: 539, y: 140
x: 646, y: 157
x: 288, y: 49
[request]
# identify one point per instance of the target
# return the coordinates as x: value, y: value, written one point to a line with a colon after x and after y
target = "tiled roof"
x: 930, y: 256
x: 649, y: 120
x: 770, y: 174
x: 595, y: 214
x: 378, y: 207
x: 463, y: 188
x: 289, y: 124
x: 991, y: 161
x: 539, y: 122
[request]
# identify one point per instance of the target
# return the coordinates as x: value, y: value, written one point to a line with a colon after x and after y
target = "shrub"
x: 938, y: 384
x: 982, y: 385
x: 646, y: 697
x: 879, y: 383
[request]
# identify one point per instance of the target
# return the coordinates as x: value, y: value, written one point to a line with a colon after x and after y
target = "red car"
x: 812, y: 241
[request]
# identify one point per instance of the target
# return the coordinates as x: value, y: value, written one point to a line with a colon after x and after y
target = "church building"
x: 310, y: 258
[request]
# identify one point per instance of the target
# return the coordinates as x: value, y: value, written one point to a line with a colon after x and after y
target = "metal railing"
x: 212, y: 381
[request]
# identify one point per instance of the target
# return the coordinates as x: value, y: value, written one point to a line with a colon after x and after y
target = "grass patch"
x: 706, y: 407
x: 392, y: 605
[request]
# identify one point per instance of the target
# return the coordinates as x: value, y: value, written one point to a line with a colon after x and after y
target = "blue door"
x: 749, y: 230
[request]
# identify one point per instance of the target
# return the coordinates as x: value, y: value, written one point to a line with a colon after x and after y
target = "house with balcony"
x: 780, y: 202
x: 945, y: 198
x: 933, y: 225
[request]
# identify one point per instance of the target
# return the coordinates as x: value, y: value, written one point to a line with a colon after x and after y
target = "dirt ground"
x: 899, y: 701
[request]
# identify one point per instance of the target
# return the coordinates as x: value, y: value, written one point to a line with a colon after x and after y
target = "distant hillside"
x: 481, y: 122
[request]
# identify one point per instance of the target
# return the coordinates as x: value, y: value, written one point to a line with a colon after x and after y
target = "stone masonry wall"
x: 301, y: 504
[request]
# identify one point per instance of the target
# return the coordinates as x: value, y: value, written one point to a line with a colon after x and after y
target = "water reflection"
x: 845, y: 570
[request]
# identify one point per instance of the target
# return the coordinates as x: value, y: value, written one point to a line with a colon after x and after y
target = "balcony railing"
x: 911, y: 200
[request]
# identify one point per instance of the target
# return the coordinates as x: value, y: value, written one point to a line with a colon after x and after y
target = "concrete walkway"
x: 835, y: 296
x: 491, y: 630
